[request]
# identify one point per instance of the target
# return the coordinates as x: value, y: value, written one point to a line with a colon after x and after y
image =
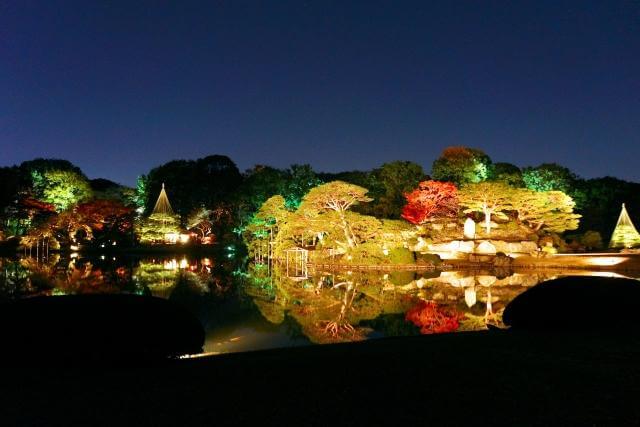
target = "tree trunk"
x: 347, y: 231
x: 487, y: 220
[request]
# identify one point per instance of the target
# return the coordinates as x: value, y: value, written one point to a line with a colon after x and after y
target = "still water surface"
x: 253, y: 307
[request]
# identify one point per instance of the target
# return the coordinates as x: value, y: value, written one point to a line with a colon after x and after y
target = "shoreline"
x: 491, y: 377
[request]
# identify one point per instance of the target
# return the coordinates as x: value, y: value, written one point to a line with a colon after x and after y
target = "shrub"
x: 401, y: 256
x: 428, y: 259
x: 592, y: 240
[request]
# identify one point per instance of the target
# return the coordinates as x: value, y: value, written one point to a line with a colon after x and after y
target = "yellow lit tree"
x: 334, y: 199
x: 548, y: 210
x: 490, y: 198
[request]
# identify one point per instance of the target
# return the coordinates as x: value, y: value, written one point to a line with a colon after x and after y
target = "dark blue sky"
x: 120, y: 87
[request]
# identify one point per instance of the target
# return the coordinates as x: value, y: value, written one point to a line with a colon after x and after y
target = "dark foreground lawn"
x: 499, y: 378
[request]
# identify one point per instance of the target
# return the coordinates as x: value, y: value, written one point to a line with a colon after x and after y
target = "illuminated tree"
x: 462, y: 165
x: 273, y: 211
x: 200, y: 220
x: 106, y: 219
x: 549, y: 176
x: 26, y: 213
x: 137, y: 197
x: 334, y: 197
x: 430, y: 201
x: 157, y: 226
x: 61, y: 188
x: 490, y: 198
x: 548, y: 210
x: 553, y: 177
x: 266, y: 221
x: 300, y: 179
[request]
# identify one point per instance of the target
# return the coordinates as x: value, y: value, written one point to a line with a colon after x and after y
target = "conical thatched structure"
x: 625, y: 234
x: 162, y: 204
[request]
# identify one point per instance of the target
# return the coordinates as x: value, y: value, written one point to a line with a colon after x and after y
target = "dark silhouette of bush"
x: 577, y: 303
x: 79, y: 329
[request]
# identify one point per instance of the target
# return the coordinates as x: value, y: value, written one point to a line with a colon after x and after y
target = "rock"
x: 469, y: 229
x: 486, y: 248
x: 576, y: 303
x: 466, y: 247
x: 523, y: 247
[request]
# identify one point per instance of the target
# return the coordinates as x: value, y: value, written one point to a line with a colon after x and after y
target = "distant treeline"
x: 214, y: 190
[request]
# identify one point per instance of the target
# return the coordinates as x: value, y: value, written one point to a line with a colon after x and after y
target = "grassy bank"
x: 499, y: 378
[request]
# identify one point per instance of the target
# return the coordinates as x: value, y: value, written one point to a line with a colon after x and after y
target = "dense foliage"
x: 432, y: 200
x: 213, y: 200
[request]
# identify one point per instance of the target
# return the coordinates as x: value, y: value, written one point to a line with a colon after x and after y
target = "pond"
x: 253, y: 307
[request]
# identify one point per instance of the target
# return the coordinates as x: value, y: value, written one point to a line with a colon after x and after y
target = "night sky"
x: 121, y: 87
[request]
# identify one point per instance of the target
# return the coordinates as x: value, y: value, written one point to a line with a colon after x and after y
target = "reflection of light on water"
x: 174, y: 264
x: 610, y: 274
x: 199, y: 355
x: 599, y: 260
x: 606, y: 261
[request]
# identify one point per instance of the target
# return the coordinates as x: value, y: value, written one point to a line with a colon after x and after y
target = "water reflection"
x: 262, y: 306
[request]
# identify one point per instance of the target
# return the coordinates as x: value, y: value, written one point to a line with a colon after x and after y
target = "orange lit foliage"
x: 431, y: 200
x: 433, y: 319
x: 99, y: 214
x: 30, y: 204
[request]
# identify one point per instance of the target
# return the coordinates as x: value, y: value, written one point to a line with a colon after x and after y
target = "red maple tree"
x: 99, y: 214
x: 431, y: 200
x: 434, y: 319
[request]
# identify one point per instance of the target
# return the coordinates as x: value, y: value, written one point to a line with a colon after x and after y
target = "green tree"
x: 62, y: 188
x: 462, y: 165
x: 333, y: 200
x: 300, y: 179
x: 508, y: 173
x: 394, y: 180
x: 549, y: 176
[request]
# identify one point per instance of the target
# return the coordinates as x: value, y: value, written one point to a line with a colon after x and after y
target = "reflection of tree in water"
x: 340, y: 325
x: 331, y: 307
x: 345, y: 306
x: 97, y: 276
x: 55, y: 275
x: 433, y: 318
x: 160, y: 277
x: 15, y: 279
